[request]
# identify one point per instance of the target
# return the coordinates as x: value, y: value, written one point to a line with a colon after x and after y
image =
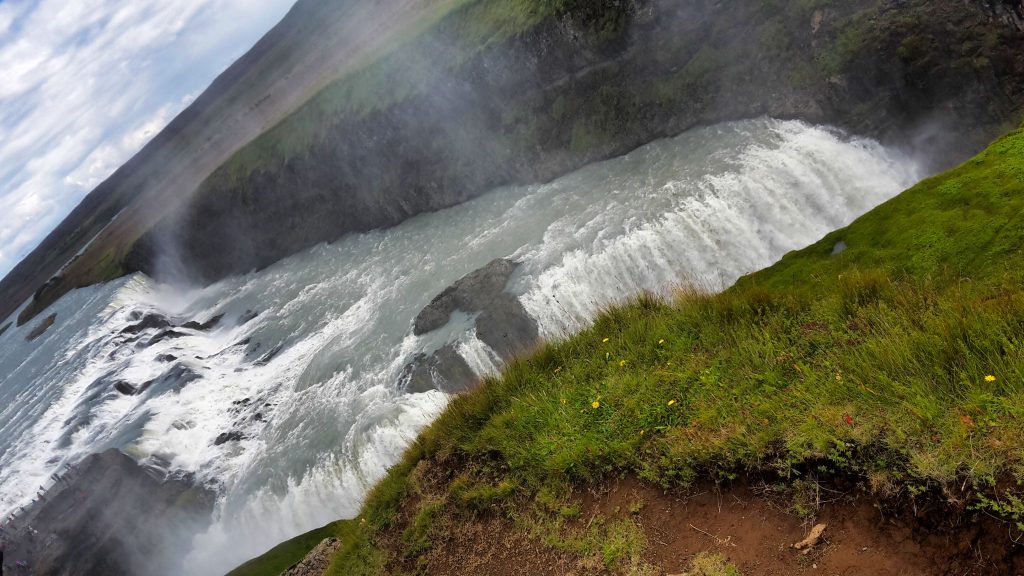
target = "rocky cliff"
x: 108, y: 515
x: 443, y: 120
x: 499, y: 92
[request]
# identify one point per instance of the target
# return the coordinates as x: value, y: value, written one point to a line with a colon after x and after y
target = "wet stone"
x: 226, y: 437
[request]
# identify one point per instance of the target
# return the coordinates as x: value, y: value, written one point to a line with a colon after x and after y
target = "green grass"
x: 899, y: 361
x: 284, y: 555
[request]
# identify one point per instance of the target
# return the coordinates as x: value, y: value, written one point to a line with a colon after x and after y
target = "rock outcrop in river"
x: 108, y: 515
x: 500, y: 320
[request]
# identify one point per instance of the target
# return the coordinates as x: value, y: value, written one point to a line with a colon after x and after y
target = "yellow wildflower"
x: 622, y: 363
x: 606, y: 340
x: 671, y: 402
x: 990, y: 378
x: 641, y: 432
x: 662, y: 341
x: 595, y: 405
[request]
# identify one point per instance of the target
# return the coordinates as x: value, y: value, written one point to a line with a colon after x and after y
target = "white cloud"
x: 84, y: 84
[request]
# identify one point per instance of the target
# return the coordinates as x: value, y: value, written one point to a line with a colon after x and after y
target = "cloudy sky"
x: 84, y: 84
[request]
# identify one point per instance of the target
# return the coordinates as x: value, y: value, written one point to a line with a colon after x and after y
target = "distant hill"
x: 317, y: 42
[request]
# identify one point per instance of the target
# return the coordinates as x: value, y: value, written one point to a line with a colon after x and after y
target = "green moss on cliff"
x: 459, y: 30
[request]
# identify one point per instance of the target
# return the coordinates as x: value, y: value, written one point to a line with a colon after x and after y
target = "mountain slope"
x: 456, y: 97
x: 316, y: 43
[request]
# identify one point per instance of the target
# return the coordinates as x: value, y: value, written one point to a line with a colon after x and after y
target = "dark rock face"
x: 160, y: 337
x: 148, y: 322
x: 472, y: 293
x: 502, y: 322
x: 110, y: 516
x: 443, y: 370
x: 126, y: 388
x: 41, y: 328
x: 204, y: 326
x: 154, y: 321
x: 172, y: 380
x: 226, y: 437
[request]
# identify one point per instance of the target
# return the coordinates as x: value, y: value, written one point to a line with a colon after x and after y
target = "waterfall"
x: 289, y: 403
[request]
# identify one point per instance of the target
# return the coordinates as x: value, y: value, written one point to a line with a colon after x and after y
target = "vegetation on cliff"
x: 897, y: 361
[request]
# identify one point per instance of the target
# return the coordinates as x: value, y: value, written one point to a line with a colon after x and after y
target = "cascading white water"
x: 310, y: 387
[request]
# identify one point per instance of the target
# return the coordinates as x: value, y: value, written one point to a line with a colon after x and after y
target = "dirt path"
x: 753, y: 530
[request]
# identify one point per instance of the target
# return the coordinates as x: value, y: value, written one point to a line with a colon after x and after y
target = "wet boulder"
x: 126, y: 388
x: 501, y: 320
x: 443, y: 370
x: 150, y: 321
x: 173, y: 380
x: 472, y: 293
x: 162, y: 336
x: 204, y: 326
x: 226, y: 437
x: 41, y: 328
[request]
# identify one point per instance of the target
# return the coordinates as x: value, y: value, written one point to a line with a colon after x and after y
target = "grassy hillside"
x: 898, y: 363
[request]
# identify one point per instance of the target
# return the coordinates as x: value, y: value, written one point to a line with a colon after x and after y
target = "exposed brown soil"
x: 494, y: 547
x: 758, y: 534
x: 752, y: 528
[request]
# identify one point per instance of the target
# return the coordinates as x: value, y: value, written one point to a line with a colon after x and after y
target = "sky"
x: 84, y: 84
